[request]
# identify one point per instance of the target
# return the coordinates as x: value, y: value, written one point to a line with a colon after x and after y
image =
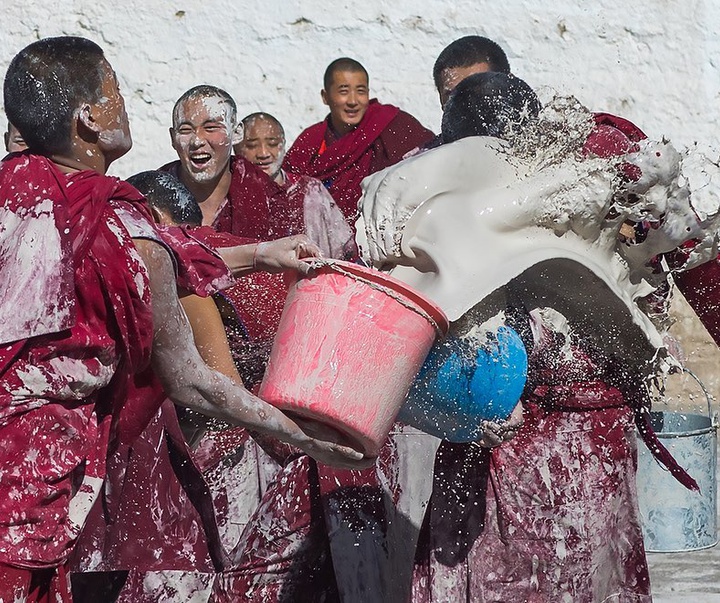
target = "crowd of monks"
x: 137, y: 319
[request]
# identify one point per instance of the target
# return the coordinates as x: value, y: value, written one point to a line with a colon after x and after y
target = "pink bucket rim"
x: 376, y: 276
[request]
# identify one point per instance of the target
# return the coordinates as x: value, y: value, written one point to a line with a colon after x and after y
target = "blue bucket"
x: 462, y: 384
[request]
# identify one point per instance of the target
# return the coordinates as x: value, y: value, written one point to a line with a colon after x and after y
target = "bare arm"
x: 209, y: 334
x: 189, y: 382
x: 270, y: 256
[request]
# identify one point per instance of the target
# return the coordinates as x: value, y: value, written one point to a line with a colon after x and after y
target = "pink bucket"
x: 349, y: 344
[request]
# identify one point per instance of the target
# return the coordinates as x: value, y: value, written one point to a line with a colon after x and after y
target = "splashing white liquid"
x: 476, y: 222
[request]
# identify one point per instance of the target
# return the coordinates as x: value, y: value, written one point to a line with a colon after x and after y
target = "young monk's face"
x: 202, y: 135
x: 264, y: 145
x: 114, y: 138
x: 451, y: 77
x: 348, y: 98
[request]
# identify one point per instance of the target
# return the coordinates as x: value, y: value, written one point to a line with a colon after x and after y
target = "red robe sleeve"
x: 701, y: 288
x: 403, y: 134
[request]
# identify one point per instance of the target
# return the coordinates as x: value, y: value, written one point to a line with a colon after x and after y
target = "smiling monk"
x: 359, y: 137
x: 235, y: 196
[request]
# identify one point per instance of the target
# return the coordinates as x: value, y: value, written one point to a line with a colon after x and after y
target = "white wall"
x: 656, y: 62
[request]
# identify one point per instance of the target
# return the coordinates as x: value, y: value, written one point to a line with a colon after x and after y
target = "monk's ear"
x: 238, y: 134
x: 86, y: 119
x: 171, y: 131
x: 324, y: 97
x: 157, y: 215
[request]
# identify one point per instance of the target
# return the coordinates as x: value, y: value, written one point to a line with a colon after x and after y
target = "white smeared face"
x: 203, y: 135
x: 264, y: 145
x: 114, y: 138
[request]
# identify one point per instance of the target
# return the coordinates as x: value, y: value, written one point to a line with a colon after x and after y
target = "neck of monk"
x: 210, y: 195
x: 340, y: 129
x: 81, y: 156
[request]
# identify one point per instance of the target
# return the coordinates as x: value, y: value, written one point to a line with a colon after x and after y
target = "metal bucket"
x: 676, y: 519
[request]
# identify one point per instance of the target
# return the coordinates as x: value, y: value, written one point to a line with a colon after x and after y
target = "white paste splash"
x: 466, y: 220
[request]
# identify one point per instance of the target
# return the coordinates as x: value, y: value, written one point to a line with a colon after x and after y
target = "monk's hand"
x: 328, y: 446
x: 335, y: 454
x: 338, y: 455
x: 495, y: 433
x: 285, y: 254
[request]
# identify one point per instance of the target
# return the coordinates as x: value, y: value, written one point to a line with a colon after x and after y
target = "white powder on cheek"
x: 118, y: 138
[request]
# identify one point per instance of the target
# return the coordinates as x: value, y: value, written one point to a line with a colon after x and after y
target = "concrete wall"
x: 656, y: 62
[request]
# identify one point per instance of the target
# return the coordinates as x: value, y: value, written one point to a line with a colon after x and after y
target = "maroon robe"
x: 62, y: 385
x: 381, y: 139
x: 701, y: 288
x: 156, y: 512
x: 551, y: 515
x: 254, y: 304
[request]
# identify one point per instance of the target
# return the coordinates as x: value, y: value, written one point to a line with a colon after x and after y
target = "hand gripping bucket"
x: 350, y: 342
x: 676, y: 519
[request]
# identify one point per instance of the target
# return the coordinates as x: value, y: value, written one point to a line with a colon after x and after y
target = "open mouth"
x: 199, y: 160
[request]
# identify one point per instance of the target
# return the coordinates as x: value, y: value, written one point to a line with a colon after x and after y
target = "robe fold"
x: 63, y: 382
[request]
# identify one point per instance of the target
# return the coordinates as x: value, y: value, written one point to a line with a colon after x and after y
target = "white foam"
x: 532, y: 217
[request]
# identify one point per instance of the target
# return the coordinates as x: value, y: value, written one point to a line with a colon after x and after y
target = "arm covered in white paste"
x: 271, y: 256
x: 189, y: 382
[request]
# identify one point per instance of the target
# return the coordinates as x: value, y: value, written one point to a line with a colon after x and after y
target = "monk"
x: 99, y: 325
x: 235, y: 196
x: 123, y: 545
x: 263, y: 144
x: 463, y: 57
x: 499, y: 528
x: 234, y: 466
x: 359, y: 137
x: 238, y: 198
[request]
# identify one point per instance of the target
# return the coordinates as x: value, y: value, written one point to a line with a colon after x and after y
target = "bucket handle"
x: 329, y: 263
x: 713, y: 417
